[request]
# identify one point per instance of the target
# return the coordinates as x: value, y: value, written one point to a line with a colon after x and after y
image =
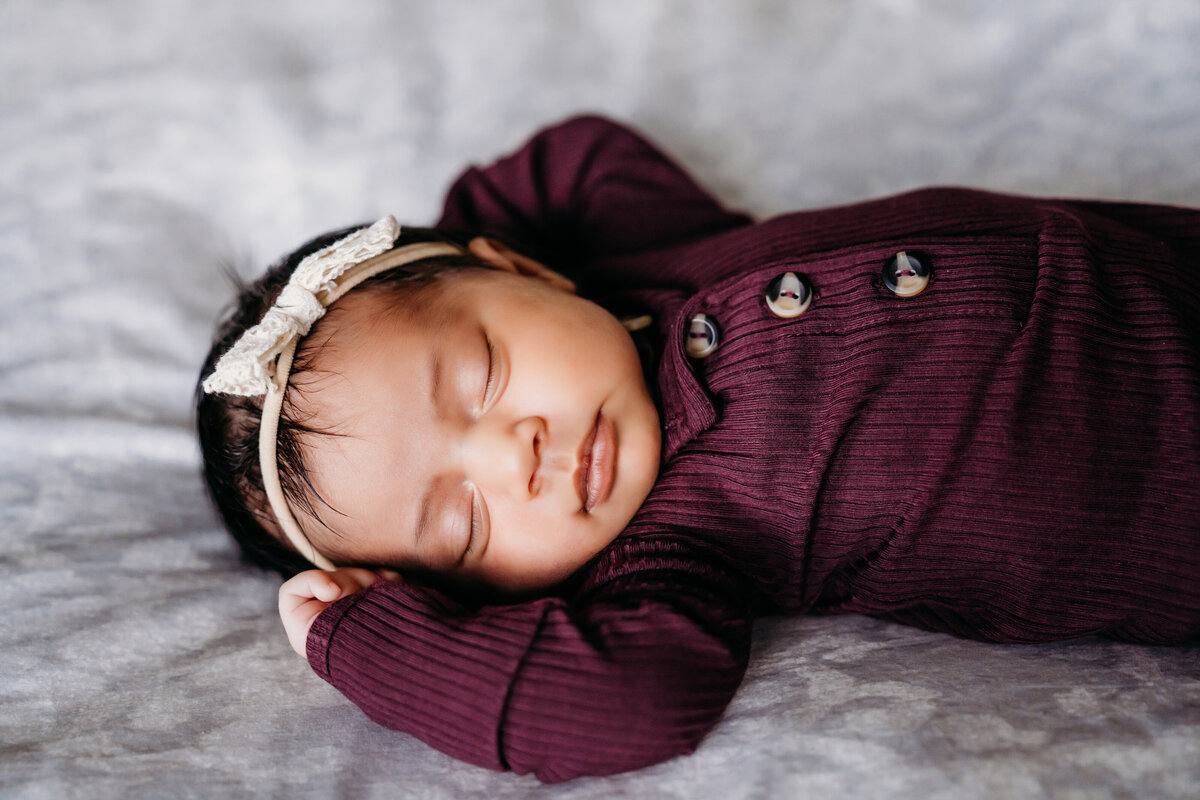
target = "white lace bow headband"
x: 261, y: 359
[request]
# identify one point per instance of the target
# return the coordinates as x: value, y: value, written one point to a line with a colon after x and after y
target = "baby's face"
x: 503, y: 434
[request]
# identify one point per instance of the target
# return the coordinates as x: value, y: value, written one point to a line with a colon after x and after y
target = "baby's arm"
x: 587, y: 187
x: 627, y: 672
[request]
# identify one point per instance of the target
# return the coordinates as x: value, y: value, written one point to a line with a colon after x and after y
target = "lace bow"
x: 248, y: 368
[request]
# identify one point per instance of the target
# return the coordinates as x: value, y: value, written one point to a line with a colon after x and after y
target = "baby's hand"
x: 304, y: 596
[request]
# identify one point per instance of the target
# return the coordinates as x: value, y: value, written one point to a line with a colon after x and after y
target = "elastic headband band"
x: 261, y: 359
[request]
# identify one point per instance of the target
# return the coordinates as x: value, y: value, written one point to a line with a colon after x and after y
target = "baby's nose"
x: 504, y: 455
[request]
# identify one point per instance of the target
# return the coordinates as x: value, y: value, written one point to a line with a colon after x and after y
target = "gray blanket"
x: 147, y: 144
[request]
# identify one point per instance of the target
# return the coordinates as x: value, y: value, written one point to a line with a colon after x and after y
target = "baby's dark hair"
x: 228, y: 424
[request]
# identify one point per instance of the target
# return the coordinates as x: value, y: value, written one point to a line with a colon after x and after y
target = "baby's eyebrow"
x: 435, y: 376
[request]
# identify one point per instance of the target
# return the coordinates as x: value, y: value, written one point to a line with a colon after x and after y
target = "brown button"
x: 906, y: 274
x: 789, y: 295
x: 703, y: 336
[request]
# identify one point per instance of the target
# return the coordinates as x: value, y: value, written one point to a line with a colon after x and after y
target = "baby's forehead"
x: 363, y: 331
x: 416, y: 315
x: 371, y: 312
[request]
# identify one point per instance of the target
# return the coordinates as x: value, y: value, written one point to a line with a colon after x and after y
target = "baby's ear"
x: 501, y: 256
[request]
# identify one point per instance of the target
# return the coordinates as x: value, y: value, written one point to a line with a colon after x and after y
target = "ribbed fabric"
x: 1011, y: 455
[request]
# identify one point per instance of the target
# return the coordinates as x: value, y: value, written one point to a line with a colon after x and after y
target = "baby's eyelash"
x: 491, y: 373
x: 473, y: 534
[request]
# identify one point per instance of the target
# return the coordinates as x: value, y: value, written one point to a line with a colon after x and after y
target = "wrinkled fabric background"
x: 146, y: 144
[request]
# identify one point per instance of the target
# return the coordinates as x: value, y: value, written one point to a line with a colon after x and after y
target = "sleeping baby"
x: 532, y: 473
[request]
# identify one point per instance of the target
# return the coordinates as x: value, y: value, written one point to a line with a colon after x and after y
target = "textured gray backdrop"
x: 144, y: 143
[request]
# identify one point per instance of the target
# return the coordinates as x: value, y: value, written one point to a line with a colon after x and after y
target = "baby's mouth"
x: 597, y: 461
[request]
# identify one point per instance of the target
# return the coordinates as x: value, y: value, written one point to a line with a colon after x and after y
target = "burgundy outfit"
x: 1013, y: 454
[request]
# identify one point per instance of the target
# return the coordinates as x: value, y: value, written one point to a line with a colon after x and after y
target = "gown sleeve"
x: 587, y: 187
x: 630, y: 669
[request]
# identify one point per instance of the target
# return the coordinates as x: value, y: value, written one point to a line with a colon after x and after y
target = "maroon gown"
x: 1013, y: 454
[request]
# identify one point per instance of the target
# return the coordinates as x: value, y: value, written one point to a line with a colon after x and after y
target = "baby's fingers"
x: 327, y: 588
x: 304, y: 586
x: 353, y: 579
